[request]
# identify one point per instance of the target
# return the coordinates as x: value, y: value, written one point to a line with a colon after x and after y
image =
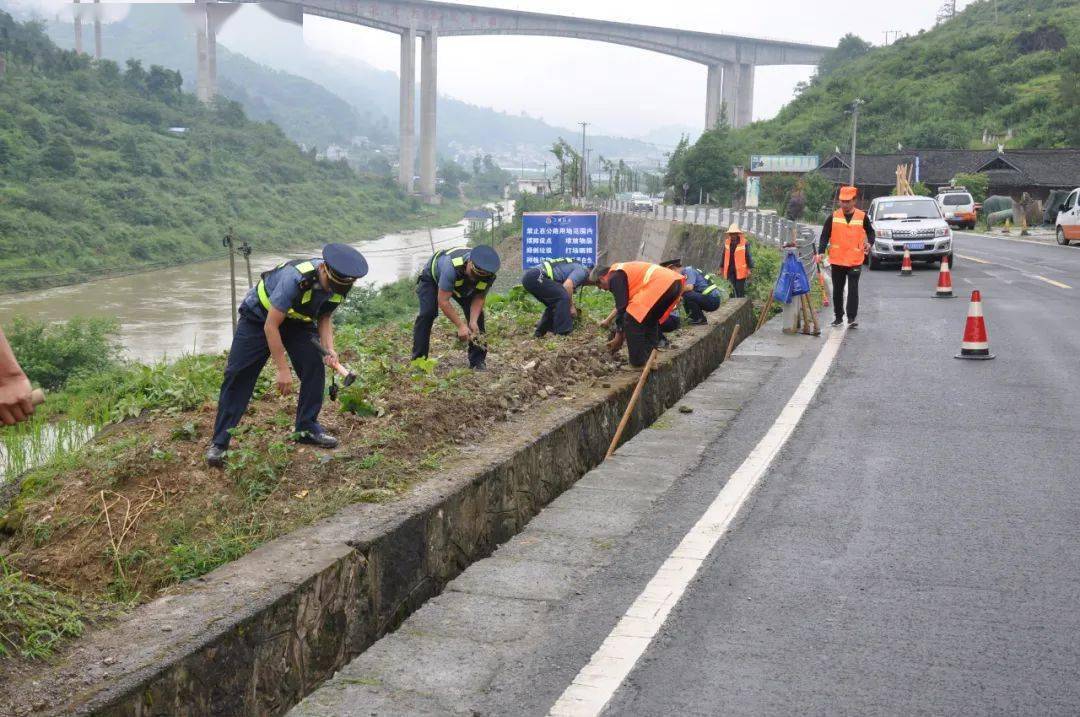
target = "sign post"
x: 551, y: 235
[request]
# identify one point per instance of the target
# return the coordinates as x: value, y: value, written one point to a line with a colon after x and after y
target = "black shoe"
x: 215, y: 456
x: 699, y: 322
x: 837, y: 322
x: 482, y: 366
x: 853, y: 324
x: 322, y: 440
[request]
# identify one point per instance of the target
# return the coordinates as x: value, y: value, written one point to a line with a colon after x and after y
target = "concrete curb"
x: 257, y: 635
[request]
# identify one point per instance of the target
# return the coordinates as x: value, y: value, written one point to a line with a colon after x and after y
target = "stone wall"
x: 627, y: 237
x: 255, y: 636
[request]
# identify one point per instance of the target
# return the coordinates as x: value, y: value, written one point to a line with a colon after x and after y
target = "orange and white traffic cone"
x: 905, y: 266
x: 975, y: 345
x: 944, y: 281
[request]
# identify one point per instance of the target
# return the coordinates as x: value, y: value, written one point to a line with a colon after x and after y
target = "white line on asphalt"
x: 598, y: 681
x: 1022, y: 241
x: 1052, y: 282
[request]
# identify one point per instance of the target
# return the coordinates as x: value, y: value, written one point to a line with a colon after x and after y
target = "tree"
x: 59, y: 155
x: 1069, y: 96
x: 850, y: 47
x: 977, y: 184
x: 675, y: 176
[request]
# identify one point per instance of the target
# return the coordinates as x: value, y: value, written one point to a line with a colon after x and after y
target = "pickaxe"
x: 348, y: 377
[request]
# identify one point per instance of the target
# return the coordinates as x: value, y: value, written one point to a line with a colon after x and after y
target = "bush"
x: 50, y: 354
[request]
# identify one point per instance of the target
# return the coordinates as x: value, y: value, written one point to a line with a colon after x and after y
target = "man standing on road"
x: 702, y: 292
x: 465, y: 275
x: 15, y: 403
x: 645, y: 295
x: 738, y: 265
x: 287, y: 312
x: 851, y: 235
x: 553, y: 282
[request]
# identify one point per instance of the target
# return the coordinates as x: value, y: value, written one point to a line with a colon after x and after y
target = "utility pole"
x: 854, y: 134
x: 583, y: 170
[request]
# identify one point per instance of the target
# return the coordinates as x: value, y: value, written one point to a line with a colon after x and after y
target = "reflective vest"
x: 458, y: 257
x: 714, y: 284
x: 847, y: 239
x: 742, y: 269
x: 309, y: 278
x: 549, y: 266
x: 646, y: 284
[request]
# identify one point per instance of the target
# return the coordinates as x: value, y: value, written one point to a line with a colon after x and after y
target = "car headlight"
x: 941, y: 232
x: 945, y: 244
x: 883, y: 246
x: 885, y: 233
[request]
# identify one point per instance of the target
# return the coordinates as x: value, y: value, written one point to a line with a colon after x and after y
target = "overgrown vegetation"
x: 50, y: 354
x: 94, y: 181
x: 33, y: 618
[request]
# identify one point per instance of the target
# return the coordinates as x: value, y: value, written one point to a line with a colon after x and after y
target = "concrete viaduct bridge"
x: 731, y: 59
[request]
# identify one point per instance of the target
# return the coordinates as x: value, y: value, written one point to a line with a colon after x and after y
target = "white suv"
x: 958, y: 206
x: 914, y: 223
x: 1067, y: 226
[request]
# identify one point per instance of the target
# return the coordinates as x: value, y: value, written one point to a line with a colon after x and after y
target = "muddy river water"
x: 186, y: 309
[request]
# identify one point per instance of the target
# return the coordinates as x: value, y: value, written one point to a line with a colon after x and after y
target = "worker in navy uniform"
x: 464, y: 275
x: 703, y: 294
x: 287, y: 312
x: 553, y: 282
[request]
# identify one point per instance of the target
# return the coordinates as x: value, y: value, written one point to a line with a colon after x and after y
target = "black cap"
x: 345, y: 262
x: 485, y: 258
x: 672, y: 262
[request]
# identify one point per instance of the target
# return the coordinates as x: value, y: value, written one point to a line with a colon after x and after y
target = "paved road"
x: 915, y: 547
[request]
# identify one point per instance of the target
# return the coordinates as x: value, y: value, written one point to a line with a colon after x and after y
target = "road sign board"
x: 549, y: 235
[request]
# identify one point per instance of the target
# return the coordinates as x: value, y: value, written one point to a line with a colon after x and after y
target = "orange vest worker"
x: 646, y: 283
x: 847, y: 239
x: 741, y: 268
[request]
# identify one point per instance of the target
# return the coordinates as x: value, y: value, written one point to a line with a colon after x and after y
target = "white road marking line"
x: 1052, y: 282
x: 1003, y: 238
x: 598, y: 681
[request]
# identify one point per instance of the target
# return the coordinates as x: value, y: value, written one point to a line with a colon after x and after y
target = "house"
x: 532, y: 186
x: 1011, y: 172
x: 478, y: 218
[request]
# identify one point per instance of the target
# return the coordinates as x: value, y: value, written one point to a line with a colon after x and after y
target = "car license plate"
x: 916, y: 247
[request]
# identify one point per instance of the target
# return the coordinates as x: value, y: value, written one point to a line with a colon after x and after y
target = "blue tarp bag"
x: 782, y: 290
x: 800, y: 282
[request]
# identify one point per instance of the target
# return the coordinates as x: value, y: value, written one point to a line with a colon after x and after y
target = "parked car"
x: 641, y: 203
x: 958, y: 206
x: 916, y: 223
x: 1067, y: 224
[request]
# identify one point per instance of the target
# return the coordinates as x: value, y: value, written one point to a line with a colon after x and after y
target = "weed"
x: 188, y: 431
x: 193, y: 558
x: 370, y: 461
x: 33, y: 619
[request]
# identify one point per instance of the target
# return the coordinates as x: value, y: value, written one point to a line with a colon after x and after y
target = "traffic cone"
x: 944, y: 281
x: 975, y: 345
x: 905, y: 266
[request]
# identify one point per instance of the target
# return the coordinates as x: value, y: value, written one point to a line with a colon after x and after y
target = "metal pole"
x: 854, y: 136
x: 228, y: 241
x: 583, y: 170
x: 245, y: 251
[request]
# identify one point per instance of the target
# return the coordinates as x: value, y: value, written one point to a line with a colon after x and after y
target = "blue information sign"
x: 551, y: 235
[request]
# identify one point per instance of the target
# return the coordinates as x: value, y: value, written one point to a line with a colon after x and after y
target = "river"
x: 186, y: 309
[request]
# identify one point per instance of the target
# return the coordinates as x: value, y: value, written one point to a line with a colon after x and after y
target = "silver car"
x: 912, y: 222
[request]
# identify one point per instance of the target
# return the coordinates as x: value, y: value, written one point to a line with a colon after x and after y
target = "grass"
x: 33, y: 618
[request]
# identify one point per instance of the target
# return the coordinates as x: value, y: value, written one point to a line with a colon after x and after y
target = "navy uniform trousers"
x: 697, y: 303
x: 556, y: 301
x: 247, y: 357
x: 428, y: 293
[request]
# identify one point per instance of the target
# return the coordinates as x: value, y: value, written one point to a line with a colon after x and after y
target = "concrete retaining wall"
x: 625, y: 237
x: 255, y: 636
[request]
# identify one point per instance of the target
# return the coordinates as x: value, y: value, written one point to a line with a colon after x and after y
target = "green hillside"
x: 92, y: 180
x: 942, y: 88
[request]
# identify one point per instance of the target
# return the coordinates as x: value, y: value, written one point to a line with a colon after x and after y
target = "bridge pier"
x: 407, y: 111
x: 736, y: 92
x: 428, y: 99
x: 745, y: 90
x: 714, y: 96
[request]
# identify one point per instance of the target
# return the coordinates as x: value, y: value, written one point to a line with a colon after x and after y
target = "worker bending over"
x: 702, y: 293
x: 287, y: 312
x: 645, y: 295
x: 738, y: 264
x: 465, y: 275
x: 851, y: 234
x: 553, y: 282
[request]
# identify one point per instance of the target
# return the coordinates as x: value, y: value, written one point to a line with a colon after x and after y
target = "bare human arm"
x: 450, y: 313
x: 568, y: 285
x: 272, y: 329
x: 15, y: 404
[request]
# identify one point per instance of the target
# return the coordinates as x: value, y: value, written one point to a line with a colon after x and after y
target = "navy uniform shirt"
x: 283, y: 288
x: 573, y: 271
x: 447, y: 276
x: 695, y: 279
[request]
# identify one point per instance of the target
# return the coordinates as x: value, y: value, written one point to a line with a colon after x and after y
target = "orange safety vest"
x: 847, y: 239
x: 647, y: 282
x: 741, y: 268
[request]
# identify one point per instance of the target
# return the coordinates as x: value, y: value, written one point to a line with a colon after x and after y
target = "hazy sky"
x: 624, y: 90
